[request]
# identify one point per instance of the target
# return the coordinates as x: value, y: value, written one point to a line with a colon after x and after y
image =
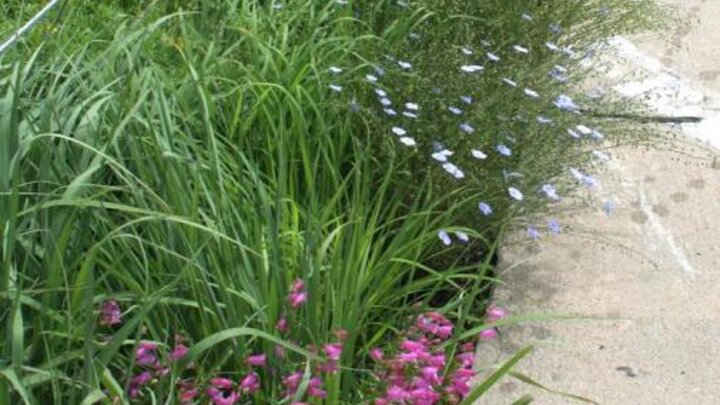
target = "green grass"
x: 190, y: 163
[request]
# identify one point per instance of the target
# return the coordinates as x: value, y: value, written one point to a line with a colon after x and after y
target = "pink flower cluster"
x: 420, y: 373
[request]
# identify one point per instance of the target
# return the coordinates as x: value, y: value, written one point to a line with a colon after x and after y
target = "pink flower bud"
x: 488, y: 334
x: 376, y: 354
x: 178, y: 352
x: 256, y: 359
x: 333, y: 351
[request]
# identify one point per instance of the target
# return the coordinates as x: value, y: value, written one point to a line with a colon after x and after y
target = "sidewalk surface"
x: 646, y: 279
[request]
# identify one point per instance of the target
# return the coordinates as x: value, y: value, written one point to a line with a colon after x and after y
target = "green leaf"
x: 496, y: 376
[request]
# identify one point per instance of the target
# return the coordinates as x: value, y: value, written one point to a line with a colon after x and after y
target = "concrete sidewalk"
x: 645, y: 280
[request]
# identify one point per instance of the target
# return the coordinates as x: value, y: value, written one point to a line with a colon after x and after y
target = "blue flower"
x: 466, y: 99
x: 455, y: 110
x: 462, y: 236
x: 565, y: 103
x: 533, y: 233
x: 550, y: 191
x: 608, y: 207
x: 467, y: 128
x: 485, y: 208
x: 453, y: 170
x: 554, y: 227
x: 503, y: 150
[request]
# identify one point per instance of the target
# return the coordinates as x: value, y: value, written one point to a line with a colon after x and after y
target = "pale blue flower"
x: 597, y: 135
x: 371, y: 78
x: 390, y: 112
x: 503, y: 150
x: 466, y: 51
x: 455, y: 110
x: 440, y: 157
x: 335, y: 88
x: 527, y: 17
x: 466, y: 99
x: 550, y: 191
x: 554, y: 227
x: 531, y: 93
x: 555, y: 28
x: 408, y: 141
x: 515, y: 194
x: 485, y: 208
x: 412, y: 106
x: 379, y: 71
x: 520, y: 49
x: 533, y: 233
x: 405, y: 65
x: 399, y: 131
x: 493, y: 57
x: 467, y: 128
x: 551, y: 46
x: 444, y: 237
x: 453, y: 170
x: 385, y: 101
x: 381, y: 93
x: 462, y: 236
x: 543, y: 119
x: 565, y: 103
x: 510, y: 82
x: 584, y: 130
x: 472, y: 68
x: 478, y: 154
x: 409, y: 114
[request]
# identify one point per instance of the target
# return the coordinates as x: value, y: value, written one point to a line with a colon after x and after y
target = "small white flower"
x: 552, y: 46
x: 462, y: 236
x: 544, y: 120
x: 399, y: 131
x: 385, y: 101
x: 447, y: 152
x: 466, y: 51
x: 390, y: 112
x: 381, y: 92
x: 341, y: 2
x: 412, y: 106
x: 467, y: 128
x: 335, y: 70
x: 335, y: 88
x: 371, y: 78
x: 455, y: 110
x: 520, y: 49
x: 478, y: 154
x: 440, y: 157
x: 404, y: 65
x: 573, y: 133
x: 493, y: 57
x: 472, y: 68
x: 584, y: 130
x: 445, y: 238
x: 532, y: 93
x: 409, y: 114
x: 527, y: 17
x: 503, y: 150
x: 408, y: 141
x: 515, y: 194
x: 453, y: 170
x: 466, y: 99
x: 510, y: 82
x: 550, y: 192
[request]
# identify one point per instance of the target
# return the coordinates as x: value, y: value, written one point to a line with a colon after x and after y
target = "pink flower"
x: 189, y: 395
x: 250, y: 383
x: 381, y: 401
x: 221, y: 397
x: 330, y: 366
x: 298, y: 286
x: 314, y: 389
x: 495, y: 314
x: 282, y: 325
x: 430, y: 374
x: 424, y: 396
x: 488, y: 334
x: 145, y: 354
x: 256, y: 359
x: 376, y: 354
x: 178, y: 352
x: 141, y: 379
x: 221, y: 383
x: 110, y: 313
x: 297, y: 299
x: 411, y: 346
x: 396, y: 394
x: 292, y: 381
x: 333, y: 350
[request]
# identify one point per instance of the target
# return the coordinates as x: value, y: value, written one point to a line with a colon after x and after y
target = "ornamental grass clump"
x: 247, y: 201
